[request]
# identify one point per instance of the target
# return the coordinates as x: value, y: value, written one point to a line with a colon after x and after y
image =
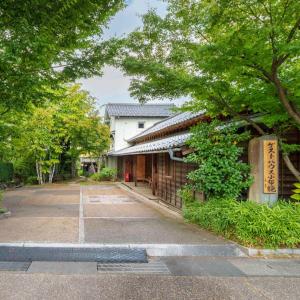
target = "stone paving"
x: 108, y: 214
x: 113, y: 215
x: 105, y: 213
x: 48, y: 214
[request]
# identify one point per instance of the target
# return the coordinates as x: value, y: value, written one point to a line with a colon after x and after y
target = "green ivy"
x: 220, y: 173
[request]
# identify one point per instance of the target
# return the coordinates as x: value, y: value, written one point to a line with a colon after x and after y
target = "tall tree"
x: 233, y: 57
x: 44, y: 43
x: 84, y: 131
x: 70, y: 126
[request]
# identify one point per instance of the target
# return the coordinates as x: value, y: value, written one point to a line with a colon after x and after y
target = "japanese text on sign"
x: 270, y: 167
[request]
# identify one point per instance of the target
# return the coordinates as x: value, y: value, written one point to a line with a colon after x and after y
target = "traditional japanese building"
x: 128, y: 119
x: 154, y: 158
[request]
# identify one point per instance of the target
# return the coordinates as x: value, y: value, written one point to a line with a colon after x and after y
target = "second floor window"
x: 141, y: 124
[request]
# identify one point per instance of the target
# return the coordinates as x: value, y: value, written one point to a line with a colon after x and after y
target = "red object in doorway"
x: 127, y: 177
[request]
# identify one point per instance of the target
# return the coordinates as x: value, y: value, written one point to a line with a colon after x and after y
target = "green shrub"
x: 2, y: 210
x: 296, y: 196
x: 31, y: 180
x: 219, y: 172
x: 95, y: 176
x: 84, y: 173
x: 6, y: 172
x: 249, y: 223
x: 105, y: 174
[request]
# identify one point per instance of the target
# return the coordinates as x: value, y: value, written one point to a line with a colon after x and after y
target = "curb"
x: 153, y: 250
x: 253, y: 252
x: 192, y: 250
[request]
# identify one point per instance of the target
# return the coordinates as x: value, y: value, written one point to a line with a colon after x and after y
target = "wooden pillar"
x: 124, y: 166
x: 153, y: 174
x: 264, y: 161
x: 135, y: 169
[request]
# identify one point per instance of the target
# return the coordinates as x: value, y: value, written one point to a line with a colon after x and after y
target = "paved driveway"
x: 112, y: 215
x: 41, y: 214
x: 68, y: 213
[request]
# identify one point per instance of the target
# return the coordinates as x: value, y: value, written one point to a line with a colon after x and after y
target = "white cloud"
x: 113, y: 85
x: 129, y: 19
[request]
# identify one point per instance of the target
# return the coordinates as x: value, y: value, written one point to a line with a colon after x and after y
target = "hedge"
x: 251, y: 224
x: 6, y: 172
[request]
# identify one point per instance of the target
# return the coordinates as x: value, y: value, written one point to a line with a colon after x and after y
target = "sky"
x: 113, y: 85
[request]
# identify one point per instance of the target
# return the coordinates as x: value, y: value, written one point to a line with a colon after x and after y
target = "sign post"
x: 263, y: 158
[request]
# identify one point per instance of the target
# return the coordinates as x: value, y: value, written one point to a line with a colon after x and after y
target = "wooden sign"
x: 270, y: 166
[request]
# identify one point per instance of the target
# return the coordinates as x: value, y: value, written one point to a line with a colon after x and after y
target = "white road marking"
x: 81, y: 219
x: 121, y: 218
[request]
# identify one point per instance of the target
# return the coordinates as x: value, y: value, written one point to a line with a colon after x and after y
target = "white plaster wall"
x: 112, y: 162
x: 126, y: 128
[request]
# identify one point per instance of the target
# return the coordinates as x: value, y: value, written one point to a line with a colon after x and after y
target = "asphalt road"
x: 112, y: 286
x: 161, y: 278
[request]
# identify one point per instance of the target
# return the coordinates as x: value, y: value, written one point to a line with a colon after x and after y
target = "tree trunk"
x: 290, y: 166
x: 285, y: 101
x: 285, y: 156
x: 51, y: 173
x: 73, y: 168
x: 39, y: 172
x: 99, y: 164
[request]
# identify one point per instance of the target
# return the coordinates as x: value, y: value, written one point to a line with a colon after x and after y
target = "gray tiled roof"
x: 139, y: 110
x: 173, y: 120
x: 154, y: 146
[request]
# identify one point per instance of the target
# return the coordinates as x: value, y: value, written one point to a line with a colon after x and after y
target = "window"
x: 168, y: 166
x: 141, y: 124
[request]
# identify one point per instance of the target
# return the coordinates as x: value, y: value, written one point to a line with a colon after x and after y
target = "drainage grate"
x: 105, y: 254
x: 153, y: 267
x: 14, y: 266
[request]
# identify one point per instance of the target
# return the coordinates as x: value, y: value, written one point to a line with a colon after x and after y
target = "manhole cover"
x: 153, y: 267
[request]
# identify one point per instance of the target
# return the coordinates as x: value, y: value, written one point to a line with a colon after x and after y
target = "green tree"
x: 41, y: 138
x: 44, y: 44
x: 232, y: 57
x: 84, y: 131
x: 68, y: 127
